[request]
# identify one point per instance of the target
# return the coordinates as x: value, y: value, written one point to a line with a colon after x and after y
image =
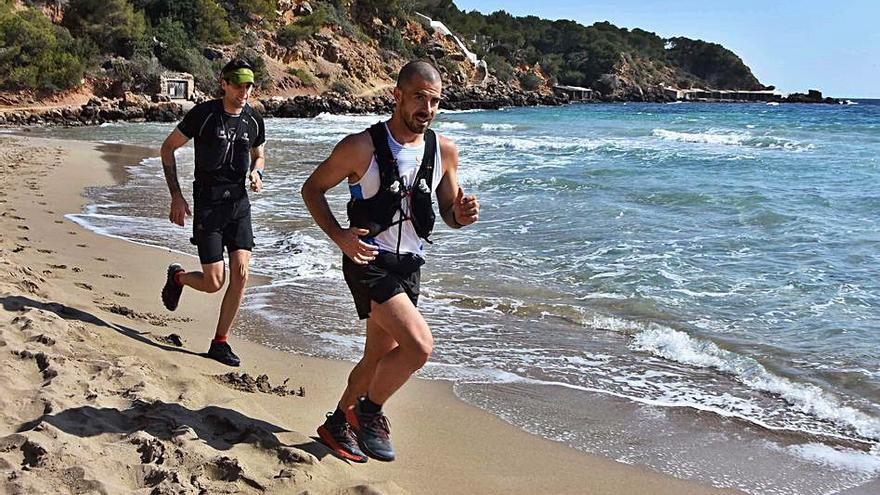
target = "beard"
x: 415, y: 125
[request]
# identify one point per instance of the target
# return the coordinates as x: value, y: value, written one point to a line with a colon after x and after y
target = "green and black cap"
x: 238, y: 71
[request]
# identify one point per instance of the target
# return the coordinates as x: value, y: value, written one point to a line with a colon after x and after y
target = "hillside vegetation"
x: 350, y: 47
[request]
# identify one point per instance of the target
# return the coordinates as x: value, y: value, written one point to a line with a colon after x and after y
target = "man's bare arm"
x: 456, y: 209
x: 179, y: 207
x: 258, y: 162
x: 349, y: 160
x: 169, y: 164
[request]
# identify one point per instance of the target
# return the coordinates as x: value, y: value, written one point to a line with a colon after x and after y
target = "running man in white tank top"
x: 382, y: 270
x: 409, y: 158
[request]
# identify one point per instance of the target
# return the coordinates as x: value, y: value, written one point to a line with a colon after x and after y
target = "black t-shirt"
x: 223, y: 142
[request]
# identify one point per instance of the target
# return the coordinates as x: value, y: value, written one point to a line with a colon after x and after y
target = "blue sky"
x: 794, y: 45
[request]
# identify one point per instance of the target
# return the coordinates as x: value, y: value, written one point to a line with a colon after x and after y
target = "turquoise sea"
x: 692, y: 287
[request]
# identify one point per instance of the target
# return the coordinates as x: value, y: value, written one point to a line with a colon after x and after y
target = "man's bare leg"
x: 238, y: 276
x: 210, y: 279
x: 400, y: 319
x: 379, y: 343
x: 403, y: 323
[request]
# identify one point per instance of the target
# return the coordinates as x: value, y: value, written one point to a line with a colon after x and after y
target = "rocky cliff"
x: 334, y: 55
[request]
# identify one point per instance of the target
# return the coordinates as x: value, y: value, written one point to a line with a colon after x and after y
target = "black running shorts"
x: 382, y: 279
x: 222, y: 224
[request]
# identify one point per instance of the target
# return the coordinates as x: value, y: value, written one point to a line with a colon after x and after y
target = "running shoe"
x: 221, y: 351
x: 171, y: 292
x: 373, y: 433
x: 339, y: 437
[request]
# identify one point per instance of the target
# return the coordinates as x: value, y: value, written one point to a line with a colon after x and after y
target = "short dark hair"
x: 417, y: 68
x: 236, y: 63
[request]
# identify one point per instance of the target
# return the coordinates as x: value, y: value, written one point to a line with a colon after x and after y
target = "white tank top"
x: 409, y: 159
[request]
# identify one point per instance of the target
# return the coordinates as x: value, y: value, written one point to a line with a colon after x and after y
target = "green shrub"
x: 448, y: 65
x: 212, y: 23
x: 499, y: 67
x: 37, y: 54
x: 176, y: 52
x: 207, y: 21
x: 336, y: 15
x: 393, y: 40
x: 303, y: 28
x: 306, y: 78
x: 573, y: 78
x: 263, y: 8
x: 113, y: 25
x: 342, y: 88
x: 530, y: 81
x: 145, y: 71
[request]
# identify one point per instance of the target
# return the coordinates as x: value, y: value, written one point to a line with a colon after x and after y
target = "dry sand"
x: 95, y: 397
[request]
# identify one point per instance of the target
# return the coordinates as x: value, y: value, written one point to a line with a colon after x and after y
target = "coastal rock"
x: 494, y: 96
x: 812, y: 96
x: 130, y: 108
x: 311, y: 106
x: 213, y: 53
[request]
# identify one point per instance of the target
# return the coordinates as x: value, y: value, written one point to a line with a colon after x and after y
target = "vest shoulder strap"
x: 426, y: 171
x: 388, y: 172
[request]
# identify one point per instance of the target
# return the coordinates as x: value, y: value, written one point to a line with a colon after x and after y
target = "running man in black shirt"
x: 229, y: 138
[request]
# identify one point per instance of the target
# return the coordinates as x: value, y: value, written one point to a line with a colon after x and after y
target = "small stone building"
x: 177, y: 85
x: 574, y: 93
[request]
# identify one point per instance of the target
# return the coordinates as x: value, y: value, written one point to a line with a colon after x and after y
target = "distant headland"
x: 90, y: 62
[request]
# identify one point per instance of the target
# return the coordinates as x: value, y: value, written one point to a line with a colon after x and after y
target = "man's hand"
x: 256, y: 181
x: 357, y: 250
x: 179, y: 209
x: 466, y: 209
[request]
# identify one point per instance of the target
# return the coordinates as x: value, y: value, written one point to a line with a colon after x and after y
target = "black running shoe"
x: 171, y: 292
x: 220, y: 351
x: 373, y: 433
x: 339, y: 437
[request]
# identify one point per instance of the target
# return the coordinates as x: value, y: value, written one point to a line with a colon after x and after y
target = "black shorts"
x: 222, y: 224
x: 382, y: 279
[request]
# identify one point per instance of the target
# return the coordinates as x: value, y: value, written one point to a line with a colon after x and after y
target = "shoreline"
x: 143, y: 108
x: 437, y: 448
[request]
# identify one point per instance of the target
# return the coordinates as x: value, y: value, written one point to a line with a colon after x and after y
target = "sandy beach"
x: 95, y: 397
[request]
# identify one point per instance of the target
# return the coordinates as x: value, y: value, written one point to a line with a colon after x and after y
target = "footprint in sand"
x: 47, y: 272
x: 42, y: 203
x: 83, y: 286
x: 23, y: 227
x: 71, y: 232
x: 18, y: 249
x: 82, y: 245
x: 101, y: 259
x: 59, y: 221
x: 23, y: 238
x: 171, y: 338
x: 111, y: 275
x: 46, y: 251
x: 121, y: 294
x: 51, y: 212
x: 77, y: 269
x: 58, y: 267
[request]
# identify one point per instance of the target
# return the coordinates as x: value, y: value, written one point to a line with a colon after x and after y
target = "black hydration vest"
x: 376, y: 214
x: 223, y: 153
